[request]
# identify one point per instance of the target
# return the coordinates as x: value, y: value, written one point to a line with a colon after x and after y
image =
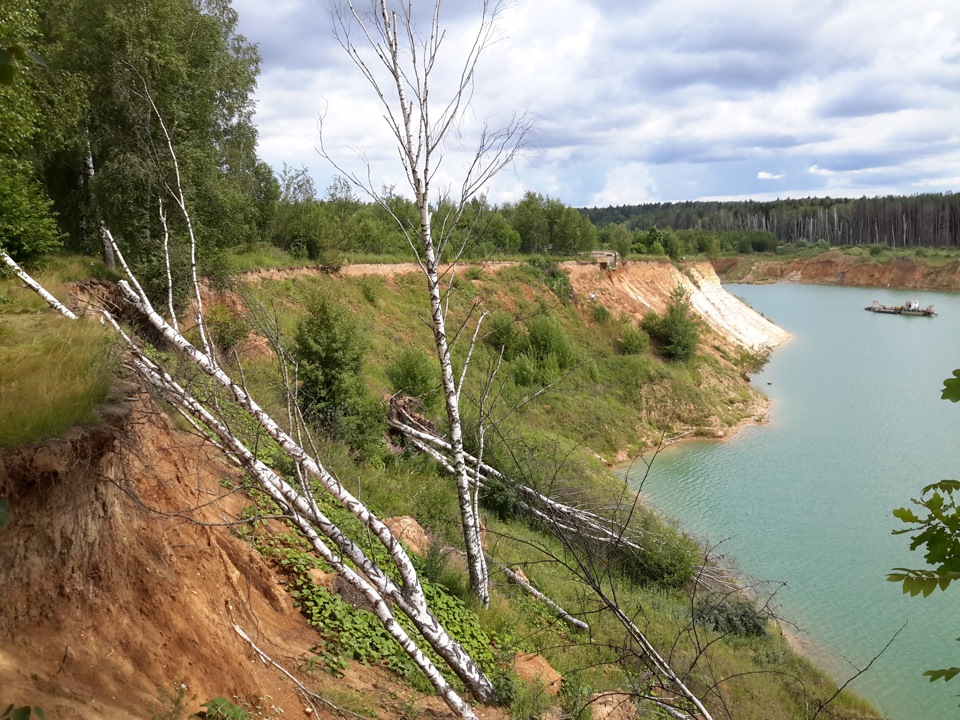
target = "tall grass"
x: 53, y: 373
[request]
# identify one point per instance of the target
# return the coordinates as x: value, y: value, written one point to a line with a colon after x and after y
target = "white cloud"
x: 628, y: 184
x: 648, y: 101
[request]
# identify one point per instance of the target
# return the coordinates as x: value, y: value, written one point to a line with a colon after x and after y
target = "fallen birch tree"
x: 298, y: 504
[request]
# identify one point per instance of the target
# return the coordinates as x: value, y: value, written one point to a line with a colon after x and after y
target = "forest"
x: 927, y: 220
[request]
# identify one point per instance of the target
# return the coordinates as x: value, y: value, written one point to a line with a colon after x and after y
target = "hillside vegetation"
x: 583, y: 386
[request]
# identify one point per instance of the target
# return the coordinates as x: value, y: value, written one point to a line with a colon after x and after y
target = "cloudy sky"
x: 652, y: 100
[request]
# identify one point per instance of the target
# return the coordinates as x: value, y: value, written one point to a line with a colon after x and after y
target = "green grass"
x: 53, y: 373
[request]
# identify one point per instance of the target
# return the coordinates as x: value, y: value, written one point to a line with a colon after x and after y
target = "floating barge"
x: 911, y: 307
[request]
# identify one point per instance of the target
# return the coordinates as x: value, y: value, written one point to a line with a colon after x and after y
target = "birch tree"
x: 399, y: 59
x: 205, y: 412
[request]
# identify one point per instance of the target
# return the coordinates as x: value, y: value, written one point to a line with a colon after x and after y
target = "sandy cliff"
x: 637, y: 287
x: 837, y: 268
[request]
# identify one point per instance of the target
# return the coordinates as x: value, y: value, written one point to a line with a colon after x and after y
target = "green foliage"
x: 938, y: 532
x: 226, y: 329
x: 414, y: 373
x: 329, y: 347
x: 677, y: 331
x: 951, y: 387
x: 600, y: 314
x: 730, y: 614
x: 548, y: 355
x: 546, y: 225
x: 669, y: 557
x: 362, y: 636
x: 530, y: 702
x: 369, y: 291
x: 22, y: 713
x: 750, y: 362
x: 111, y: 60
x: 222, y: 708
x: 548, y: 339
x: 27, y: 226
x: 503, y: 334
x: 633, y: 340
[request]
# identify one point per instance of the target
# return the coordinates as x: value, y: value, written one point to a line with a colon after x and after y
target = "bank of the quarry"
x: 125, y: 574
x: 886, y: 269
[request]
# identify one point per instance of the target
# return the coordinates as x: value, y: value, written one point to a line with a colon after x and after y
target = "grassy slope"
x: 604, y: 406
x: 53, y: 374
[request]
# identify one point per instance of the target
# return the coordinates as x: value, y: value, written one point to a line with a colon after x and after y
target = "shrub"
x: 226, y: 330
x: 600, y: 314
x: 27, y: 225
x: 329, y: 348
x: 554, y: 278
x: 730, y: 615
x: 525, y: 370
x: 412, y: 372
x: 503, y: 333
x: 370, y: 291
x: 633, y: 340
x: 548, y: 339
x: 677, y: 331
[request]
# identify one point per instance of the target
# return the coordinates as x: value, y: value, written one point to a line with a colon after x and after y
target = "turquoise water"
x: 856, y: 428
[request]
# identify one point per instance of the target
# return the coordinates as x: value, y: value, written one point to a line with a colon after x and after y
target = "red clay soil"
x: 118, y: 578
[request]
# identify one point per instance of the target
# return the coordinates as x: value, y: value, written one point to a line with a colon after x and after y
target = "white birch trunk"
x: 36, y: 287
x: 410, y: 594
x: 408, y: 57
x: 304, y: 514
x: 89, y: 173
x: 302, y: 509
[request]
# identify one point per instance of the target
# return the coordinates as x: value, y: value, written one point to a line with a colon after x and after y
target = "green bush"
x: 525, y: 370
x: 414, y: 373
x: 677, y: 331
x: 548, y: 339
x: 226, y: 329
x: 554, y: 278
x: 370, y: 291
x: 329, y: 348
x: 600, y: 314
x: 633, y: 340
x: 730, y: 615
x: 27, y: 225
x: 503, y: 333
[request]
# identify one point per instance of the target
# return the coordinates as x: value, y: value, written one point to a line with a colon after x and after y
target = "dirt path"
x: 360, y: 270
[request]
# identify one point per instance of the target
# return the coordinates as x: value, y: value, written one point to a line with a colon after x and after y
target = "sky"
x: 638, y: 101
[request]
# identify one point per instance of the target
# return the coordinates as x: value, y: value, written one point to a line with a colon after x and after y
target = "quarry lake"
x: 856, y: 428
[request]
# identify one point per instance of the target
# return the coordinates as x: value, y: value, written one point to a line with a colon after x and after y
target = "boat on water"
x: 911, y: 307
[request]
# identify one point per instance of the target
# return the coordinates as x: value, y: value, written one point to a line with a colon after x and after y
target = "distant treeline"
x: 931, y: 220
